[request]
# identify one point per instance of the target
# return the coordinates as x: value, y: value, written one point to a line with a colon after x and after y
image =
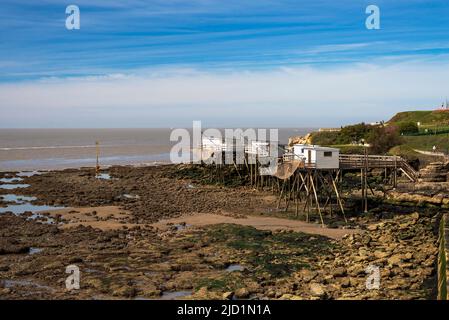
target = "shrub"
x: 408, y: 127
x: 384, y: 138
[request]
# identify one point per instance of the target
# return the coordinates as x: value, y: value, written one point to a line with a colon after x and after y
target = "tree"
x: 408, y: 127
x: 384, y: 138
x: 354, y: 133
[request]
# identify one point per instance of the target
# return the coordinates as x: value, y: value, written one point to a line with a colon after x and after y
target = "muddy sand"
x: 149, y: 233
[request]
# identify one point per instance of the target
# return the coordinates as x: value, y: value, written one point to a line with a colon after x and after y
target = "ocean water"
x: 44, y: 149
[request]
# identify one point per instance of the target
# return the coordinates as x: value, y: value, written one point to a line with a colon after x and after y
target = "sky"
x: 227, y: 63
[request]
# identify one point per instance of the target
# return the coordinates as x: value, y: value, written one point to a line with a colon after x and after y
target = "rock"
x: 6, y: 247
x: 202, y: 293
x: 395, y: 260
x: 241, y: 293
x: 408, y: 256
x: 5, y: 291
x: 307, y: 139
x: 307, y: 275
x: 75, y: 260
x: 345, y: 283
x: 288, y: 296
x: 339, y: 272
x: 271, y: 294
x: 356, y: 269
x: 228, y: 295
x: 414, y: 215
x: 125, y: 291
x: 317, y: 290
x: 4, y: 268
x: 381, y: 254
x: 94, y: 283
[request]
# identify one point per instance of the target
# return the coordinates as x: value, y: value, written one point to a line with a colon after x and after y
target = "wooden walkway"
x: 360, y: 161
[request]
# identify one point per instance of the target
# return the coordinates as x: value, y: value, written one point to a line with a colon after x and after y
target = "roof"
x: 315, y: 147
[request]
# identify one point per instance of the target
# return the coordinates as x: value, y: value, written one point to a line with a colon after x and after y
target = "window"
x: 328, y: 153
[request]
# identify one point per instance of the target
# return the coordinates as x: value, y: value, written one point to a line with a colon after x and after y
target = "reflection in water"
x: 9, y: 180
x: 21, y: 204
x: 235, y: 267
x: 104, y: 176
x: 13, y: 186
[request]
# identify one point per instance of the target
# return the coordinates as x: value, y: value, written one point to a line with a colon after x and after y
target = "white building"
x: 317, y: 156
x: 261, y: 148
x: 211, y: 143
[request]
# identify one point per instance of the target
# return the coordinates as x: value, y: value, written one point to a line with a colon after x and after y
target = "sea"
x: 49, y: 149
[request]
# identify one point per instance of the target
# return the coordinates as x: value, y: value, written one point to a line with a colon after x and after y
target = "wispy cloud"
x: 288, y: 96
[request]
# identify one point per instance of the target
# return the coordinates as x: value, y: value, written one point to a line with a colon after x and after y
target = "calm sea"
x: 34, y: 149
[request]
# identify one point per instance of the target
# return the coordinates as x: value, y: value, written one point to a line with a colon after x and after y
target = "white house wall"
x: 323, y: 162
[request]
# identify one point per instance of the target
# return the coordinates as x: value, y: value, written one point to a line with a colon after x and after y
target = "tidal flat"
x: 138, y: 236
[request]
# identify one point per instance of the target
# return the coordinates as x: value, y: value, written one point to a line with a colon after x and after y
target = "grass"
x: 424, y: 117
x: 425, y: 143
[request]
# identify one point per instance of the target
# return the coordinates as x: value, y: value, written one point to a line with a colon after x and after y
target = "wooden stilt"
x: 316, y: 200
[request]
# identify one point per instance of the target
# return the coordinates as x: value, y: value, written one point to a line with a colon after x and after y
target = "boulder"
x: 241, y: 293
x: 317, y: 290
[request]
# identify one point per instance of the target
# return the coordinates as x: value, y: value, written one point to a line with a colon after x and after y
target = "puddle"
x: 34, y: 250
x: 22, y: 204
x: 9, y: 180
x: 235, y: 267
x: 13, y: 186
x: 181, y: 226
x: 103, y: 176
x: 17, y: 198
x: 131, y: 196
x: 42, y: 218
x: 173, y: 295
x: 28, y: 173
x: 26, y: 206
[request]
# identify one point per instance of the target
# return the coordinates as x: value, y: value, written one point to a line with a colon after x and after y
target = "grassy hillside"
x: 436, y: 117
x: 412, y: 156
x: 425, y: 143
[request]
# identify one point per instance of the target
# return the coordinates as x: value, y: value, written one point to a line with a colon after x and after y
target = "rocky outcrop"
x: 402, y: 249
x: 435, y: 172
x: 307, y: 139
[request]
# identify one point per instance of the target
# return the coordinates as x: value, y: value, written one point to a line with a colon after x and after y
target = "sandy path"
x: 262, y: 223
x: 112, y: 217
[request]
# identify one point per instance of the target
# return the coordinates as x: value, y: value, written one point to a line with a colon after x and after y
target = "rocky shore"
x: 135, y: 260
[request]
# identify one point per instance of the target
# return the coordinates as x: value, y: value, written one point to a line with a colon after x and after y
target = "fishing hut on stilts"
x: 307, y: 177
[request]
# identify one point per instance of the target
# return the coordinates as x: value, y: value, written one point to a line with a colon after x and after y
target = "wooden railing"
x: 360, y: 161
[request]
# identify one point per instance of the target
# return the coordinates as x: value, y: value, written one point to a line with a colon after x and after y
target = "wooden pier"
x: 300, y: 182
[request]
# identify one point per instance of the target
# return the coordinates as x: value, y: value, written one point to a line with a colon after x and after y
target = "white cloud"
x: 286, y: 96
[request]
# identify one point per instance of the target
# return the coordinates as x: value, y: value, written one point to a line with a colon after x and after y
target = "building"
x: 329, y: 129
x: 261, y: 148
x: 215, y: 144
x: 317, y: 157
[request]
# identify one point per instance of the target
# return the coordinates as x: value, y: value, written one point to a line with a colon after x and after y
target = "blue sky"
x: 228, y: 63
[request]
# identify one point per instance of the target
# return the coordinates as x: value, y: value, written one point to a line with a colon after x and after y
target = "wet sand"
x: 258, y: 222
